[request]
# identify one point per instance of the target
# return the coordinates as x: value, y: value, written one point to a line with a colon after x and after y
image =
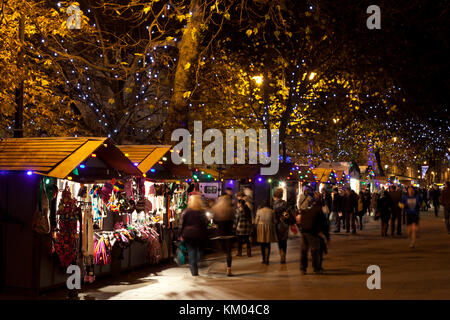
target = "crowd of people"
x: 314, y: 215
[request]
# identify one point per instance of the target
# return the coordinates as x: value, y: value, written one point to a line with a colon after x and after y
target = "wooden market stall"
x: 31, y: 168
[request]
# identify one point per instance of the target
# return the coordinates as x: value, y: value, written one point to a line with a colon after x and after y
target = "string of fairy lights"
x: 83, y: 81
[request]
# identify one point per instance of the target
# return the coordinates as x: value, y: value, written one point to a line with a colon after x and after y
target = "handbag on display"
x: 41, y: 223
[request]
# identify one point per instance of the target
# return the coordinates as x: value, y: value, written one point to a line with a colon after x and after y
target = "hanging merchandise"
x: 41, y: 223
x: 102, y: 251
x: 107, y: 191
x: 66, y: 240
x: 82, y: 192
x: 88, y: 245
x: 119, y: 186
x: 154, y: 247
x: 129, y: 189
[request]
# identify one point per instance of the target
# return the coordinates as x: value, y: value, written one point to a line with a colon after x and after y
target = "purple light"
x: 29, y: 173
x: 231, y: 182
x: 259, y: 179
x: 136, y: 164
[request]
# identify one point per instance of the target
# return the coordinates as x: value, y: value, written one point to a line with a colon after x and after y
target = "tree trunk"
x: 378, y: 158
x: 178, y: 112
x: 18, y: 117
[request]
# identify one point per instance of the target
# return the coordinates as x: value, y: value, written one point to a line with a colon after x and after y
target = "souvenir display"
x: 66, y: 240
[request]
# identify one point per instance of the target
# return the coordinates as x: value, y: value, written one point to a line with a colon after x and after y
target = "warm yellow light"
x: 395, y: 139
x: 312, y: 75
x: 258, y: 79
x: 126, y: 154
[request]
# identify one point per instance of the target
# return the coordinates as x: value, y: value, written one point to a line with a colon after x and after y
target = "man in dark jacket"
x: 313, y: 223
x: 336, y: 202
x: 396, y: 196
x: 349, y: 207
x: 435, y: 194
x: 445, y: 201
x: 279, y: 207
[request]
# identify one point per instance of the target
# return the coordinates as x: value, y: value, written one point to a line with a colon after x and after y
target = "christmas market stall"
x: 64, y: 202
x: 164, y: 189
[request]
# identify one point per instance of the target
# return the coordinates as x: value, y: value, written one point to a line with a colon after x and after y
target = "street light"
x: 258, y: 79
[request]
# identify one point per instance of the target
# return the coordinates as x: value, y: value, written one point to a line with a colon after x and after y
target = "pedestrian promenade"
x: 419, y: 273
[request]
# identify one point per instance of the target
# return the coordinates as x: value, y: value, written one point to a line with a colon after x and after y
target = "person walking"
x: 396, y: 197
x: 384, y: 207
x: 361, y: 209
x: 244, y: 227
x: 194, y: 231
x: 336, y: 209
x: 411, y: 204
x: 445, y: 201
x: 373, y: 203
x: 367, y: 201
x: 279, y: 207
x: 348, y: 210
x: 312, y: 224
x: 435, y: 194
x: 225, y: 219
x: 325, y: 198
x: 266, y: 231
x: 424, y: 193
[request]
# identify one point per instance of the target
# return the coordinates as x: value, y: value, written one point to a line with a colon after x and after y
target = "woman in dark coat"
x: 244, y: 227
x: 384, y: 207
x: 280, y: 206
x: 194, y: 231
x: 224, y: 218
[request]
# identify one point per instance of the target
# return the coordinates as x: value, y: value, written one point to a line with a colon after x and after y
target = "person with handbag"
x: 244, y: 227
x: 280, y: 210
x: 266, y: 232
x: 194, y: 230
x: 312, y: 223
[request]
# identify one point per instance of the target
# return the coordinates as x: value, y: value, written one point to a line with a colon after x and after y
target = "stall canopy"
x: 61, y: 156
x: 145, y: 156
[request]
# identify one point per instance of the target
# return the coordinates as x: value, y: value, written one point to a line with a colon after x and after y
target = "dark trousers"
x: 361, y: 216
x: 436, y: 208
x: 244, y: 239
x: 227, y: 246
x: 195, y: 254
x: 265, y: 251
x: 310, y: 242
x: 396, y: 217
x: 338, y: 221
x: 350, y: 220
x: 447, y: 218
x: 282, y: 245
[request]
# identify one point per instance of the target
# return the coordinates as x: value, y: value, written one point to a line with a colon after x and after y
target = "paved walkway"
x: 420, y: 273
